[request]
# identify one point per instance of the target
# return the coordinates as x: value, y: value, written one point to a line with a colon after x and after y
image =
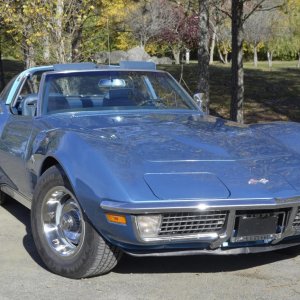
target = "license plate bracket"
x: 257, y: 225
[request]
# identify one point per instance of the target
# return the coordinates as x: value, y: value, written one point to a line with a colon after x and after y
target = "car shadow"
x: 22, y: 213
x: 197, y: 264
x: 145, y: 265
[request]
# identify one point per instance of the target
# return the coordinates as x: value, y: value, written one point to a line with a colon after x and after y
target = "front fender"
x: 91, y: 174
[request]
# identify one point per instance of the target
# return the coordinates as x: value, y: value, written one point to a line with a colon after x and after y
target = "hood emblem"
x: 256, y: 181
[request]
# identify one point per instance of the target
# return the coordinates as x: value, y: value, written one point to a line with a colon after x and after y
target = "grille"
x: 188, y: 223
x: 296, y: 223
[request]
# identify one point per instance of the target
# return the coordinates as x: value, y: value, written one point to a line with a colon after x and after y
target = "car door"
x: 15, y: 133
x: 13, y: 152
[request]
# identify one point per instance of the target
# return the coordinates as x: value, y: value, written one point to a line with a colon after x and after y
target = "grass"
x: 270, y: 95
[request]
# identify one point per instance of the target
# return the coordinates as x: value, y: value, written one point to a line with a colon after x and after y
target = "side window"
x: 31, y: 85
x: 26, y: 100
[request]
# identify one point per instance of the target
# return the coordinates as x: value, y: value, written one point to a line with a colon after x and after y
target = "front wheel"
x: 65, y: 240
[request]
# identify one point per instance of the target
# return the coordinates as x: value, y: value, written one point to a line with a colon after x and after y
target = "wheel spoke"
x: 62, y: 221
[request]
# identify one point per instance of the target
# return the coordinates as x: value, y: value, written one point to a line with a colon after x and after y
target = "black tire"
x: 75, y: 249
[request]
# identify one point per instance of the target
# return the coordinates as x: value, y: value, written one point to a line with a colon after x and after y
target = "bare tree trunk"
x: 203, y: 53
x: 60, y: 50
x: 176, y: 55
x: 28, y: 52
x: 255, y: 57
x: 75, y: 44
x: 226, y: 58
x: 28, y: 49
x: 221, y: 56
x: 46, y: 52
x: 28, y: 57
x: 237, y: 70
x: 187, y: 56
x: 298, y: 59
x: 270, y: 59
x: 212, y: 46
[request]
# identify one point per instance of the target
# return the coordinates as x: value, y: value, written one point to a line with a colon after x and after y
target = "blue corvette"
x: 121, y: 159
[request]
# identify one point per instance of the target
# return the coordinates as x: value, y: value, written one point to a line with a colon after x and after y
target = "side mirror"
x: 29, y: 105
x: 199, y: 99
x: 31, y: 102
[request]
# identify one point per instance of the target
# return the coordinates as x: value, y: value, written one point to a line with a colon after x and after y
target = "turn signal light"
x: 119, y: 219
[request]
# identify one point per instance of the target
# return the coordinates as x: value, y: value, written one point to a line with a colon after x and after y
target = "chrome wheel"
x: 66, y: 242
x: 62, y: 221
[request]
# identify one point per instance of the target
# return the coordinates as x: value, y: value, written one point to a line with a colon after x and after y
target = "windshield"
x: 118, y: 90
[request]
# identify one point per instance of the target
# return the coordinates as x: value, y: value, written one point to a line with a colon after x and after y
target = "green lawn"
x: 269, y: 95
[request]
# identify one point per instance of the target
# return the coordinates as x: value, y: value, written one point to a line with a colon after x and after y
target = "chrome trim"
x: 198, y: 205
x: 219, y: 251
x: 216, y: 239
x: 16, y: 195
x: 192, y: 223
x: 228, y: 232
x: 204, y: 237
x: 289, y: 230
x: 296, y: 222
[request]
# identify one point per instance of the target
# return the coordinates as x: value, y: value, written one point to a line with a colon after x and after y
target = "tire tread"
x: 98, y: 256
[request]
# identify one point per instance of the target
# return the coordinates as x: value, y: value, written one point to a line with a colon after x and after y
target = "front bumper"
x: 210, y: 242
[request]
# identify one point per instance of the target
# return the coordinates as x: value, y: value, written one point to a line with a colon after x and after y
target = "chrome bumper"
x: 216, y: 242
x: 219, y: 251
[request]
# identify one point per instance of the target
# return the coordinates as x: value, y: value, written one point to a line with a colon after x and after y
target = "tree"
x: 241, y: 10
x: 256, y: 29
x: 22, y: 20
x: 224, y: 41
x: 203, y: 53
x: 148, y: 18
x: 217, y: 22
x: 47, y: 30
x: 189, y: 33
x: 237, y: 70
x: 65, y: 27
x: 293, y: 14
x: 2, y: 78
x: 182, y: 33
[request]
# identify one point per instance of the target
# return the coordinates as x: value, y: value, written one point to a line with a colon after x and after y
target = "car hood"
x: 189, y: 156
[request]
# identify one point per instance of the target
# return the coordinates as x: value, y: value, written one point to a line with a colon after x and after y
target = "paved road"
x: 262, y: 276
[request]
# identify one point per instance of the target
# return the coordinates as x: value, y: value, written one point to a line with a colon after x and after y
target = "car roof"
x: 86, y: 66
x: 126, y: 65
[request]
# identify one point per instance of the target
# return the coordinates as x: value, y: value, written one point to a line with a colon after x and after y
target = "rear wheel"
x: 66, y: 241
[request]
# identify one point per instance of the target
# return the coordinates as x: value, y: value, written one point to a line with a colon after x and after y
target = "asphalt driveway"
x: 260, y: 276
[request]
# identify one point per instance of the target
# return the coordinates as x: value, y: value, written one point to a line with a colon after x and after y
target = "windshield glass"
x: 118, y: 90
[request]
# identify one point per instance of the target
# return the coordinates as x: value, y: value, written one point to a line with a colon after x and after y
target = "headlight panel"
x: 148, y: 226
